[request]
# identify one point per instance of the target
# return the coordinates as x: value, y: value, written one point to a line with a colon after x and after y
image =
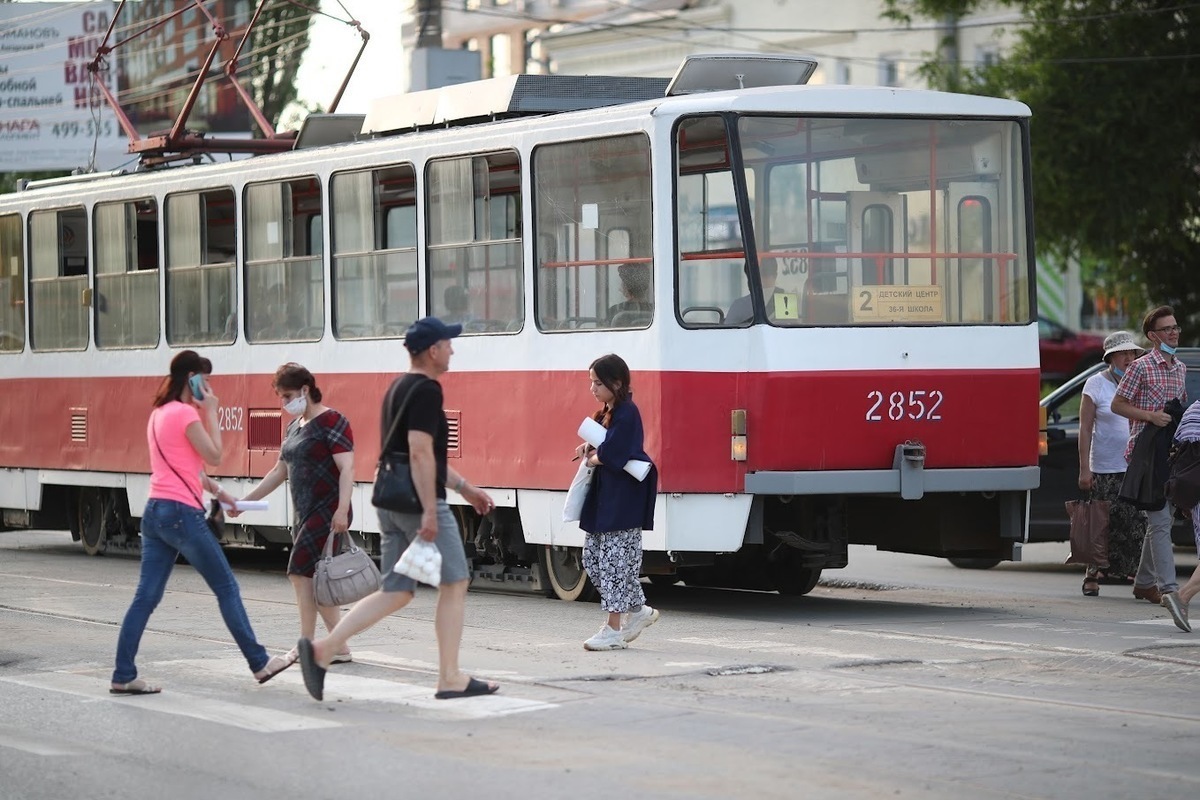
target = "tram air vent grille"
x: 454, y: 441
x: 79, y: 426
x: 265, y: 431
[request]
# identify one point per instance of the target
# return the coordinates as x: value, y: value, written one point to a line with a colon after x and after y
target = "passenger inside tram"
x: 741, y: 310
x: 635, y: 311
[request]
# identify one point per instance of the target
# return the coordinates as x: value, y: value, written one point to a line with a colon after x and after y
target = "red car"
x: 1065, y: 353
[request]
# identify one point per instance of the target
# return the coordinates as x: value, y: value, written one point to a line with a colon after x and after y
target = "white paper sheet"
x: 247, y: 505
x: 593, y: 433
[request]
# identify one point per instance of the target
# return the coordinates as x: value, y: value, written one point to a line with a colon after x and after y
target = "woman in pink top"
x: 183, y: 435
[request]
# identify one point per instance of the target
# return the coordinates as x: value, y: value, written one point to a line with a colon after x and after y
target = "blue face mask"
x: 1118, y: 371
x: 1166, y: 348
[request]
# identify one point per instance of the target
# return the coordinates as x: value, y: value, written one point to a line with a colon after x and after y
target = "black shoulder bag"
x: 394, y: 489
x: 216, y: 515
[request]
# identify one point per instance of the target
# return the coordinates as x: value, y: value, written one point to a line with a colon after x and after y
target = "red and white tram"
x: 878, y: 383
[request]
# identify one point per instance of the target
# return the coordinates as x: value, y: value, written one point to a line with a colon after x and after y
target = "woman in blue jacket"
x: 617, y: 508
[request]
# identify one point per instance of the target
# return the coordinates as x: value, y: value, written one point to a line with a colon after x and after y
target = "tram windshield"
x: 856, y: 221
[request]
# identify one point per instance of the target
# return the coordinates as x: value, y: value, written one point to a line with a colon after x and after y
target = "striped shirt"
x: 1189, y: 426
x: 1148, y: 384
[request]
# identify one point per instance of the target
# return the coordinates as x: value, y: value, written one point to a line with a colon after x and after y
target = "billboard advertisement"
x: 51, y: 116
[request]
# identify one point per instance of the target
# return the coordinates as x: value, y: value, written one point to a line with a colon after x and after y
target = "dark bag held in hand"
x: 1089, y: 532
x: 216, y: 514
x: 394, y: 489
x: 345, y: 578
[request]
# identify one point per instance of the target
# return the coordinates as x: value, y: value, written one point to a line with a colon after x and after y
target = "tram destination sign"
x: 898, y: 304
x: 51, y: 117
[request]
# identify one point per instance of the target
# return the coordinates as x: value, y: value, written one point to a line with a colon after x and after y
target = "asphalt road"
x: 899, y: 676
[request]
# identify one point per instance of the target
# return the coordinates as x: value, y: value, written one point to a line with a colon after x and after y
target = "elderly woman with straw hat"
x: 1102, y: 439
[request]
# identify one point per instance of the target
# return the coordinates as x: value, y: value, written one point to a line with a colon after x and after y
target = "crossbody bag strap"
x: 163, y: 455
x: 399, y: 414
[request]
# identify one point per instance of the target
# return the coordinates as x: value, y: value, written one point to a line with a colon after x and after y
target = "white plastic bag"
x: 422, y: 562
x: 573, y: 507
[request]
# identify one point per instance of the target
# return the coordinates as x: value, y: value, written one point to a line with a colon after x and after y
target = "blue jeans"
x: 168, y: 529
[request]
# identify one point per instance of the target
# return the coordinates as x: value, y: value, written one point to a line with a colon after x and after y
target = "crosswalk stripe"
x: 239, y: 715
x: 342, y: 685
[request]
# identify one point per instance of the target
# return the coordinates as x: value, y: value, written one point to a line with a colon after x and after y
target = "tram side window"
x: 58, y: 280
x: 201, y: 239
x: 374, y: 252
x: 12, y: 284
x: 126, y: 297
x: 592, y: 203
x: 285, y: 294
x: 474, y: 246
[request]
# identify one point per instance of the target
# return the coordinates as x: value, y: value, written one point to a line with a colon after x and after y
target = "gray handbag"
x: 345, y: 578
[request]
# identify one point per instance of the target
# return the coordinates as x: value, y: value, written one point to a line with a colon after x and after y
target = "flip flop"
x: 276, y: 665
x: 314, y: 673
x: 475, y: 688
x: 135, y: 686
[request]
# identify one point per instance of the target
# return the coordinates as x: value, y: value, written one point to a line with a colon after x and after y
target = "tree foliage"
x: 1113, y: 86
x: 278, y: 42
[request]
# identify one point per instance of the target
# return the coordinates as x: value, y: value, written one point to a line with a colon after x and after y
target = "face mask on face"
x: 297, y: 405
x: 1166, y: 348
x: 1118, y: 371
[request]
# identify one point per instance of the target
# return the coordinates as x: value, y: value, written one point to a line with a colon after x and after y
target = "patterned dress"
x: 308, y: 451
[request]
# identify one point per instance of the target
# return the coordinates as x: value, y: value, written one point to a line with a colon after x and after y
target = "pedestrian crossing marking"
x: 341, y: 685
x: 238, y: 715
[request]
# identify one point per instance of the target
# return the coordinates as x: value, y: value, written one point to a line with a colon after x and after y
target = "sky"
x: 383, y: 69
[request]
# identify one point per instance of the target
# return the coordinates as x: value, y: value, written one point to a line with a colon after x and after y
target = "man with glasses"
x: 1145, y: 388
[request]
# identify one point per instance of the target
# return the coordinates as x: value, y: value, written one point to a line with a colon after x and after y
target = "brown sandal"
x: 1091, y: 586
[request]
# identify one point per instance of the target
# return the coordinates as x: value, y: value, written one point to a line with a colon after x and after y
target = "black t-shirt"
x: 423, y: 413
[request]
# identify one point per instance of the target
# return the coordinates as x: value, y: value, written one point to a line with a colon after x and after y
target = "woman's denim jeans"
x: 168, y: 529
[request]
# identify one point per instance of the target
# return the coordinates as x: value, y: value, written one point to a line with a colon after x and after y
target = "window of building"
x: 501, y: 51
x: 474, y: 243
x: 201, y: 239
x: 126, y: 296
x: 594, y: 234
x: 285, y: 287
x: 12, y: 284
x: 889, y: 70
x: 374, y: 252
x: 58, y: 279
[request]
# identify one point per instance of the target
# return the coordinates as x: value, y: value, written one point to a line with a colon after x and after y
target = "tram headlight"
x: 737, y: 425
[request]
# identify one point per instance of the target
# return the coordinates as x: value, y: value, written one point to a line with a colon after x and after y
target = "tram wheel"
x: 663, y: 580
x: 563, y: 568
x: 797, y: 582
x: 90, y: 517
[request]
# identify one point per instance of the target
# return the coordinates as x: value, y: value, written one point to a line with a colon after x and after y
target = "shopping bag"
x: 1089, y: 532
x: 344, y: 578
x: 422, y: 562
x: 573, y: 507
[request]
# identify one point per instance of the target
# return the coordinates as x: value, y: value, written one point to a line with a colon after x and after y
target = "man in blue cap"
x: 423, y: 433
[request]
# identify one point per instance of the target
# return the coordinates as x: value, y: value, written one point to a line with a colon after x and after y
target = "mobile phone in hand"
x: 197, y: 384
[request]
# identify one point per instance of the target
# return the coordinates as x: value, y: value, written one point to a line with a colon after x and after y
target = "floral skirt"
x: 614, y: 563
x: 1126, y: 525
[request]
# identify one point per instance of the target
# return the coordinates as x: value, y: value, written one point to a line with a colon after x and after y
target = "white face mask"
x: 297, y: 405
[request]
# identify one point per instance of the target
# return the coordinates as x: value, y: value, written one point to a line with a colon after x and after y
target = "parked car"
x: 1060, y: 466
x: 1064, y: 352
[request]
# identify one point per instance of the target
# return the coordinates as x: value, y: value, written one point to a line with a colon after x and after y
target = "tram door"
x: 975, y: 282
x: 877, y: 225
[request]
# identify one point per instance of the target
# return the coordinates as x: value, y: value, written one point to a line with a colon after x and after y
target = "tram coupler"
x: 909, y: 461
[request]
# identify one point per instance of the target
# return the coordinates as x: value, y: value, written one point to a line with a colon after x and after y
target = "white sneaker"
x: 605, y: 639
x: 638, y: 621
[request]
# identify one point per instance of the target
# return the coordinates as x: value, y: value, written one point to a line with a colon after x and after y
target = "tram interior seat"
x: 632, y: 319
x: 311, y: 332
x: 355, y: 331
x: 696, y: 315
x: 393, y: 328
x: 579, y: 323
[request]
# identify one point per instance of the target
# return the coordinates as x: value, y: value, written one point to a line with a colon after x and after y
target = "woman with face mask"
x: 1102, y: 439
x: 317, y: 459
